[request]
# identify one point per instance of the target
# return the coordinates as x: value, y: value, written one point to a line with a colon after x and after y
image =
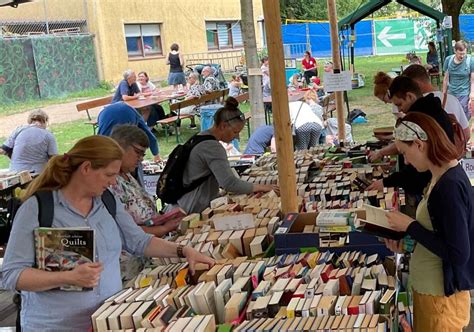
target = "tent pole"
x: 336, y: 58
x: 281, y: 115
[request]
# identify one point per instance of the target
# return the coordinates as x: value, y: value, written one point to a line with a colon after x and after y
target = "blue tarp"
x: 319, y: 37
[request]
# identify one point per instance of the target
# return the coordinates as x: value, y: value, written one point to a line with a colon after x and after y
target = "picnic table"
x: 155, y: 98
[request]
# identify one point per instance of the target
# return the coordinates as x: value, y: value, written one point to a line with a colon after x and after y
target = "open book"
x: 376, y: 223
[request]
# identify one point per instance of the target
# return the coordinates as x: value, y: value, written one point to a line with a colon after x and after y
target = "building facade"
x: 138, y: 34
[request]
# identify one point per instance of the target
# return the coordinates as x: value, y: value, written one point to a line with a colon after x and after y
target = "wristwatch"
x: 180, y: 251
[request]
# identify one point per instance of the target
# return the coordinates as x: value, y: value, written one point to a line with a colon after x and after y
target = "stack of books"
x: 310, y: 286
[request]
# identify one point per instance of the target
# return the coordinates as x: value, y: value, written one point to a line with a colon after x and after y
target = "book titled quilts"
x: 62, y: 249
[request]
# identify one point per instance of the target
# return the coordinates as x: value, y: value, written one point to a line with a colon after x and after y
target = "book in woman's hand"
x: 62, y: 249
x: 376, y: 223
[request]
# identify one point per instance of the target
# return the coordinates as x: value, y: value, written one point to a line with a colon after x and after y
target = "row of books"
x: 362, y: 322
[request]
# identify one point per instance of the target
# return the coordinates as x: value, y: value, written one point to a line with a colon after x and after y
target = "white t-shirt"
x: 452, y: 107
x: 304, y: 116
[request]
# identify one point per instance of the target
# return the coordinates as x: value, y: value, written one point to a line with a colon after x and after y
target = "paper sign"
x: 150, y: 182
x: 254, y: 72
x: 338, y: 82
x: 468, y: 167
x: 234, y: 222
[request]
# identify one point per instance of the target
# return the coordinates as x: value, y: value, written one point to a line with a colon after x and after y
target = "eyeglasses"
x: 139, y: 152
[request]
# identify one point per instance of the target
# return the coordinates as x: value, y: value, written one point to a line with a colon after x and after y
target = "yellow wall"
x: 182, y: 22
x: 55, y: 9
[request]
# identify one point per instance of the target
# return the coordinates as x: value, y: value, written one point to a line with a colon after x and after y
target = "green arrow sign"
x: 394, y: 36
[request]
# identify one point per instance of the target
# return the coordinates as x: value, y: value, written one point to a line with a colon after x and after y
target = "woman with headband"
x: 442, y: 264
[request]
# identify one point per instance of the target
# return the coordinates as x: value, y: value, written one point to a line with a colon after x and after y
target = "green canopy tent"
x: 368, y: 8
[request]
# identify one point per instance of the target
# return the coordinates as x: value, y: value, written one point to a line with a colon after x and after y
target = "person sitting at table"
x: 234, y: 86
x: 432, y: 59
x: 307, y: 126
x: 294, y: 83
x: 77, y: 180
x: 210, y: 82
x: 310, y: 67
x: 208, y: 160
x: 261, y: 139
x: 121, y: 113
x: 153, y: 113
x: 30, y: 146
x: 195, y: 90
x: 127, y: 88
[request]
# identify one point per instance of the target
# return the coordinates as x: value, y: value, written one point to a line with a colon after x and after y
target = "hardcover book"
x: 62, y: 249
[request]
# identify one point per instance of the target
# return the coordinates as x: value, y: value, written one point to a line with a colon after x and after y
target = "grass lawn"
x: 378, y: 114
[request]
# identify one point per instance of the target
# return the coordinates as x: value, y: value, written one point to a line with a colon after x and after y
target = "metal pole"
x: 46, y: 16
x: 308, y: 43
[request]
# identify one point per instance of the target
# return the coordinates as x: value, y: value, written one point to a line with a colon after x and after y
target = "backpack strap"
x: 45, y: 207
x: 195, y: 140
x: 109, y: 201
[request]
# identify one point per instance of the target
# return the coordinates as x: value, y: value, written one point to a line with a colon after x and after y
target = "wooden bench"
x: 215, y: 96
x: 86, y: 106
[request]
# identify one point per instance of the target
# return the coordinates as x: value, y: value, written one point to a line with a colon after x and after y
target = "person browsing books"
x: 208, y: 159
x: 442, y: 264
x: 136, y: 200
x: 77, y: 181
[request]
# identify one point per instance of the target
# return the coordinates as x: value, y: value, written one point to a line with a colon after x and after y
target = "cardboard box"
x: 289, y: 237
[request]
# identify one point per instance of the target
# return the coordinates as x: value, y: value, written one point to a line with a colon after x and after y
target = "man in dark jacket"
x: 407, y: 96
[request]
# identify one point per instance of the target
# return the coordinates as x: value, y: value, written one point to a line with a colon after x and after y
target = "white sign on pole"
x: 468, y: 167
x: 338, y: 82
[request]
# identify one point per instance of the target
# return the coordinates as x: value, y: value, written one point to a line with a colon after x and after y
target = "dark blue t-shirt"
x: 125, y: 89
x: 259, y: 140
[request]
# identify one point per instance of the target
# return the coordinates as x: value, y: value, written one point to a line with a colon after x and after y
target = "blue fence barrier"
x: 318, y: 36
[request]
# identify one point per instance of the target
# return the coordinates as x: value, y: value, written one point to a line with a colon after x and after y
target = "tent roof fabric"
x: 374, y: 5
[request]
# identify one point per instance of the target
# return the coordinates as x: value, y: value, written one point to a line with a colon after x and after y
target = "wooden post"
x: 336, y: 60
x: 281, y: 115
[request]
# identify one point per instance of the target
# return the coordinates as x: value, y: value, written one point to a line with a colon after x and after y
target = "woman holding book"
x: 77, y: 181
x: 442, y: 264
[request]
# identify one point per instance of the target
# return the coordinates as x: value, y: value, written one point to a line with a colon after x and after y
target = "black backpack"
x: 170, y: 186
x: 45, y: 218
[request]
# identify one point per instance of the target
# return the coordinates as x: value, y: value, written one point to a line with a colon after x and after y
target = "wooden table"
x: 158, y: 98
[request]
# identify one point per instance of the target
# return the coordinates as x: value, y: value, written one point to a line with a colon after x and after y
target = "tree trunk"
x: 453, y: 9
x: 251, y: 59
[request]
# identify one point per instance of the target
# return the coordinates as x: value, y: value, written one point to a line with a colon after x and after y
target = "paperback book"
x: 62, y: 249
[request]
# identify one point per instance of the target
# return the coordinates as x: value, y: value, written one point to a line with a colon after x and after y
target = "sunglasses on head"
x: 241, y: 116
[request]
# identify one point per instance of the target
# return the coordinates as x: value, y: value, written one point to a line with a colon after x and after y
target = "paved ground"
x: 57, y: 114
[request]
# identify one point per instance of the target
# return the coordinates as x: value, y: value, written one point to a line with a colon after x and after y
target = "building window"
x: 223, y: 35
x: 143, y: 40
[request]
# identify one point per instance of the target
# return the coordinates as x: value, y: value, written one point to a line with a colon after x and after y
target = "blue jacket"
x: 451, y: 210
x: 121, y: 113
